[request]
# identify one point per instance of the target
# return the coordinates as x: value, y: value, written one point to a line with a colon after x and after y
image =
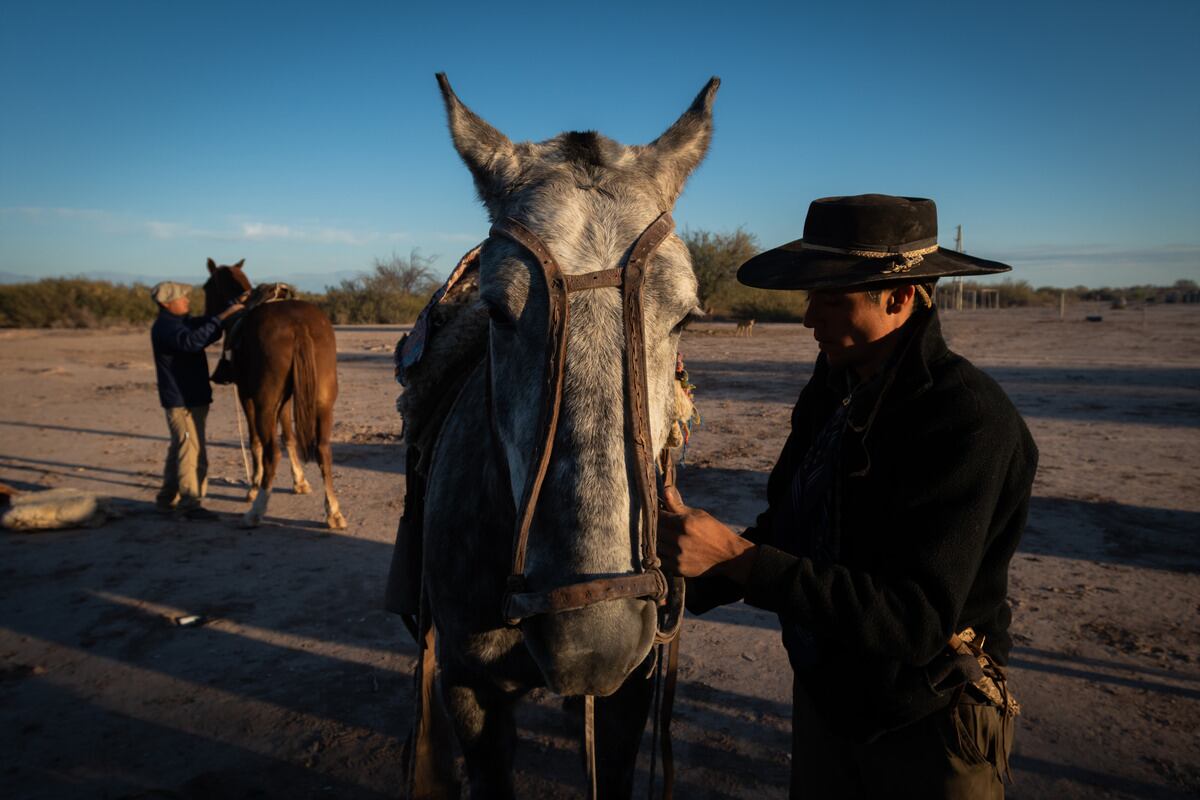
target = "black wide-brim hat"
x: 863, y: 241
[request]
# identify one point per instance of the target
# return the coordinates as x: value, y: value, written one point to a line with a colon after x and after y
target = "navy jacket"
x: 932, y: 492
x: 179, y: 344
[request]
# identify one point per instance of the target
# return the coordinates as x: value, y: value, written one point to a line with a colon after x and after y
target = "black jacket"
x: 932, y: 493
x: 179, y: 343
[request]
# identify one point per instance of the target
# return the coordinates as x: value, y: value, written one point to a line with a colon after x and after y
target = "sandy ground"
x: 298, y: 685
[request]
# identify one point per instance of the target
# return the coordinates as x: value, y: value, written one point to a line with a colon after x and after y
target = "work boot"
x: 223, y: 374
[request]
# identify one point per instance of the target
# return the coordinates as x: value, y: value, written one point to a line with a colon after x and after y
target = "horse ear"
x: 487, y: 152
x: 682, y: 147
x: 239, y: 264
x: 212, y: 267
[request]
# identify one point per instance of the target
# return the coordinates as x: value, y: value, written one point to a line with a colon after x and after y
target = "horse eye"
x: 693, y: 315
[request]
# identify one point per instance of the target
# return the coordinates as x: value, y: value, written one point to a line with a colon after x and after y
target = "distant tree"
x: 394, y: 292
x: 1185, y: 285
x: 715, y: 259
x: 412, y: 275
x: 1011, y: 293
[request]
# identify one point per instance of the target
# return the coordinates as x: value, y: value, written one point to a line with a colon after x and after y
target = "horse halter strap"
x: 650, y: 582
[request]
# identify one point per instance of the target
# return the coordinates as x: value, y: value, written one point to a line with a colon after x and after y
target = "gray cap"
x: 167, y: 291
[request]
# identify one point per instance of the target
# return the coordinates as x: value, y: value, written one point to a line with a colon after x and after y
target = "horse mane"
x: 455, y: 345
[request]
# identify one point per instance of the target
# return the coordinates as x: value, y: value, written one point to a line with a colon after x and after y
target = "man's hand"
x: 692, y: 543
x: 229, y: 312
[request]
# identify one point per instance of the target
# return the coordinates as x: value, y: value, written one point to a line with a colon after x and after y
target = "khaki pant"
x: 185, y: 476
x: 949, y: 754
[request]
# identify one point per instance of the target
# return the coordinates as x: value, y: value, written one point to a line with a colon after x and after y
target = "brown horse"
x: 284, y: 360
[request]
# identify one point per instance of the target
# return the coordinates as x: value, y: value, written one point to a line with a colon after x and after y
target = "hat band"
x: 904, y: 259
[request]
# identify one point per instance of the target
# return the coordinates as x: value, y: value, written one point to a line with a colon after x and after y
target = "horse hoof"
x: 336, y: 521
x: 249, y: 521
x: 302, y: 488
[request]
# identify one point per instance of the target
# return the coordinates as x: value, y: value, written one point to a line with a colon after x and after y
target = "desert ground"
x: 298, y: 685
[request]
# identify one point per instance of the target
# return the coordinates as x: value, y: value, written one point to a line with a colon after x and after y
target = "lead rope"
x: 667, y: 674
x: 237, y: 413
x: 655, y: 710
x: 589, y: 743
x: 430, y: 772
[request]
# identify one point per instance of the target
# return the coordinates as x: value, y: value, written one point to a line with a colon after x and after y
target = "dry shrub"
x: 715, y: 260
x: 394, y: 293
x: 78, y: 303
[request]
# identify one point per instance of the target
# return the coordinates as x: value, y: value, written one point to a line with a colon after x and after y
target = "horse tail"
x: 304, y: 394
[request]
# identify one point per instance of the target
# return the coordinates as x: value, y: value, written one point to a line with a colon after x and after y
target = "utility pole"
x: 958, y: 282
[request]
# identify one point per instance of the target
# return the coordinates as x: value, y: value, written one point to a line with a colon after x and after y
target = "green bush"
x: 78, y: 303
x: 763, y: 305
x: 1012, y: 293
x: 715, y: 260
x: 394, y: 293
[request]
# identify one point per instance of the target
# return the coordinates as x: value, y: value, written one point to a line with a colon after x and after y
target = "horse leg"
x: 482, y: 717
x: 299, y: 484
x: 255, y: 447
x: 265, y: 425
x: 620, y: 720
x: 333, y: 513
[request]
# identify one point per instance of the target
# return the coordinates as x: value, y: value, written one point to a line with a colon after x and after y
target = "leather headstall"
x: 519, y: 603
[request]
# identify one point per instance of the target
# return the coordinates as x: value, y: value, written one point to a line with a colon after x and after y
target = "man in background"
x: 178, y: 341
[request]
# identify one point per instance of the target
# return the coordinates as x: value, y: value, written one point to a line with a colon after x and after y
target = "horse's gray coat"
x: 588, y: 198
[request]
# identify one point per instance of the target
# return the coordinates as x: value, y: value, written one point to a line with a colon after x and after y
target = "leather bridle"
x: 519, y: 602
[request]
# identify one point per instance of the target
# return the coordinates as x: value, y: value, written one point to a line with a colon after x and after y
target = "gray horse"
x: 588, y: 198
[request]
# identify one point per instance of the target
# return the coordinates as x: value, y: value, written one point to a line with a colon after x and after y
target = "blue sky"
x: 309, y: 139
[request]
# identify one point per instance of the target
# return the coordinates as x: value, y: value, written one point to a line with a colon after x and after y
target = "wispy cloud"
x: 264, y: 230
x: 1099, y: 264
x: 176, y: 230
x: 42, y: 212
x: 1183, y: 257
x: 315, y: 234
x: 234, y: 230
x: 1102, y: 252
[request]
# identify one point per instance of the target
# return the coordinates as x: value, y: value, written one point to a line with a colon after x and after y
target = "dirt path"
x: 298, y: 686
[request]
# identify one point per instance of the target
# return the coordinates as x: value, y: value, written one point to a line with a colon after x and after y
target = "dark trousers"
x: 926, y: 759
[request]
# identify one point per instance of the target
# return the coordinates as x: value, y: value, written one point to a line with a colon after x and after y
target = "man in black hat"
x: 892, y: 515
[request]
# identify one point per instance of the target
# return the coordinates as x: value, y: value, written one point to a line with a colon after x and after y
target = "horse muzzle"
x: 591, y: 650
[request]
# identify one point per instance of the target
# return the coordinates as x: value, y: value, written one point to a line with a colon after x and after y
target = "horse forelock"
x: 240, y: 281
x: 586, y: 150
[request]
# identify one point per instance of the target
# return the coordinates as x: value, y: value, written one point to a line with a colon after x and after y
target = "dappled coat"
x: 930, y: 494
